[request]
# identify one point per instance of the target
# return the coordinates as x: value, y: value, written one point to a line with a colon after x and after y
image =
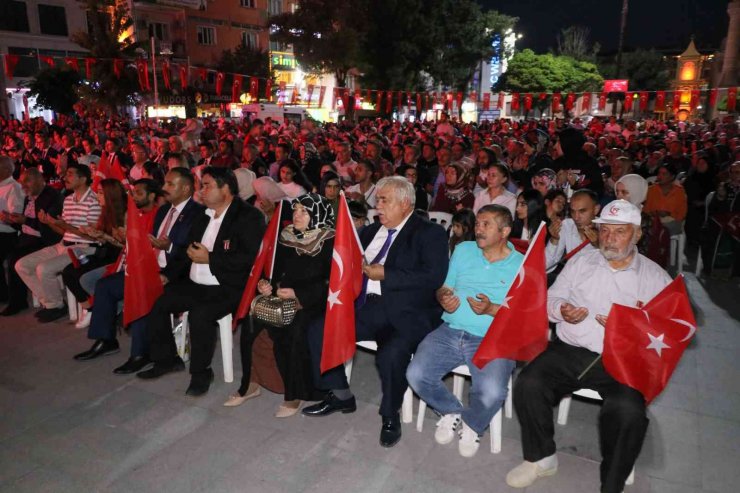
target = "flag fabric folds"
x: 519, y: 329
x: 345, y: 285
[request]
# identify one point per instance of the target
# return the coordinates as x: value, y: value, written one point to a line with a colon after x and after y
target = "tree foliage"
x: 529, y: 72
x: 245, y: 60
x: 56, y: 88
x: 646, y: 70
x: 108, y: 39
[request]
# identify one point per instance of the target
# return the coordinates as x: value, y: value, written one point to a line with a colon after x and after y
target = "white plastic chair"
x: 371, y: 215
x: 678, y: 244
x: 444, y: 219
x: 707, y: 201
x: 459, y: 375
x: 407, y: 408
x: 564, y: 409
x: 226, y: 337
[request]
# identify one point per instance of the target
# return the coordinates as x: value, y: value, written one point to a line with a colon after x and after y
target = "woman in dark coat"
x: 301, y: 271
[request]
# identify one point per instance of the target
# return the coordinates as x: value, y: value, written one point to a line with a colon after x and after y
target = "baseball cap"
x: 619, y: 212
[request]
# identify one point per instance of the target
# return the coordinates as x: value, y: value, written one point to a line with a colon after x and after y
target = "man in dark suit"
x: 206, y: 280
x: 34, y: 234
x: 408, y: 261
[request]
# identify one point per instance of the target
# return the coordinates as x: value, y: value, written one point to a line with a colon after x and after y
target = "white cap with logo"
x: 619, y: 212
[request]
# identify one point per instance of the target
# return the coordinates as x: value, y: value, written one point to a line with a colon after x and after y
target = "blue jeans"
x: 445, y: 349
x: 90, y: 278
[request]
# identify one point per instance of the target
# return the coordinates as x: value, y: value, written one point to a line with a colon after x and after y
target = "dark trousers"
x: 71, y: 275
x: 622, y: 420
x: 393, y: 357
x: 7, y: 245
x: 17, y: 290
x: 108, y: 294
x: 206, y: 305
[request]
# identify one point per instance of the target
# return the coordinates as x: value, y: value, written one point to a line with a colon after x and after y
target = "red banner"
x: 660, y: 101
x: 220, y: 76
x: 515, y: 101
x: 694, y: 101
x: 73, y: 63
x: 166, y: 74
x: 676, y: 100
x: 117, y: 67
x: 268, y: 89
x: 418, y: 103
x: 731, y: 98
x: 379, y: 100
x: 556, y: 97
x: 527, y: 102
x: 202, y: 74
x: 643, y: 100
x: 602, y: 101
x: 570, y: 100
x: 486, y: 101
x: 586, y: 102
x: 47, y: 60
x: 713, y: 93
x: 142, y: 69
x: 11, y: 61
x: 309, y: 94
x: 183, y: 69
x: 501, y: 100
x: 236, y: 88
x: 616, y: 85
x: 89, y: 62
x: 389, y: 102
x: 627, y: 105
x: 254, y: 88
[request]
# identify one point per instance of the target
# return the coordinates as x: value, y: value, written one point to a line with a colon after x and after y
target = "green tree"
x: 56, y: 89
x: 109, y: 39
x: 646, y: 70
x: 529, y: 72
x: 246, y: 61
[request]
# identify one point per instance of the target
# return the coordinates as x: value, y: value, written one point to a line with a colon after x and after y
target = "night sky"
x: 660, y: 24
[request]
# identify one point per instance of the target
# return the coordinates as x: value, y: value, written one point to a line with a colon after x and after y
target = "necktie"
x: 166, y: 227
x: 380, y: 256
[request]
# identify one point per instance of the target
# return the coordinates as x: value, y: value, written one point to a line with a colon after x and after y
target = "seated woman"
x: 530, y: 211
x: 292, y: 180
x: 301, y: 271
x: 454, y: 194
x: 668, y: 200
x: 497, y: 178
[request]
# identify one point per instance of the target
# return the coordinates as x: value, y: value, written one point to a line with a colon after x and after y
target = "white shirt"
x: 569, y: 241
x: 292, y: 189
x: 507, y: 199
x: 201, y: 273
x: 136, y: 172
x: 589, y: 281
x: 162, y: 256
x: 369, y: 195
x: 11, y: 200
x: 373, y: 287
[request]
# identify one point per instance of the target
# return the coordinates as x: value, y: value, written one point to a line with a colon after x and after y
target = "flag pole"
x: 279, y: 212
x: 583, y: 373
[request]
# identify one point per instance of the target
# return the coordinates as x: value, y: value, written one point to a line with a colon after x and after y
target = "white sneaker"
x: 527, y: 473
x: 84, y: 321
x: 446, y: 427
x: 469, y: 441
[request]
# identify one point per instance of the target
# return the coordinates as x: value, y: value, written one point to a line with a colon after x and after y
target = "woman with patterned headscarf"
x: 454, y: 194
x: 301, y: 272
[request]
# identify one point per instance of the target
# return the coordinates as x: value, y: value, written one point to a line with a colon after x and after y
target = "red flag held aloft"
x: 643, y: 346
x: 263, y: 264
x: 519, y: 329
x: 142, y: 285
x: 345, y: 285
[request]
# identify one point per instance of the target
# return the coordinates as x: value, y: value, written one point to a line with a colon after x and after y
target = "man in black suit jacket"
x: 408, y: 261
x: 34, y: 234
x: 207, y: 280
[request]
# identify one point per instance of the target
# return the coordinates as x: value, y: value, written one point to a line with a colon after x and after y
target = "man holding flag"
x: 477, y: 283
x: 579, y: 302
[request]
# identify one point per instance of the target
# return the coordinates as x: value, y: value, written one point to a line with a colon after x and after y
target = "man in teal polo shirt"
x: 478, y: 279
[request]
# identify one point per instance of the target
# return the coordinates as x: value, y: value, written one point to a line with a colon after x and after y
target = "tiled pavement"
x: 71, y: 426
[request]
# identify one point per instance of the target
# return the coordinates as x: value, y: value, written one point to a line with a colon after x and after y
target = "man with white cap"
x: 579, y: 302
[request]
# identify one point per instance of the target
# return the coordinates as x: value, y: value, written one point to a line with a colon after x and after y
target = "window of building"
x: 159, y: 31
x: 249, y: 40
x: 277, y: 46
x: 13, y: 17
x: 53, y: 20
x: 206, y: 35
x: 247, y: 3
x: 274, y: 7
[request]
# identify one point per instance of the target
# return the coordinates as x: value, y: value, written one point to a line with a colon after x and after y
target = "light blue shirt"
x: 469, y: 274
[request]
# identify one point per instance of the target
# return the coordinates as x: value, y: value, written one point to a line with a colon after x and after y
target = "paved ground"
x: 70, y: 426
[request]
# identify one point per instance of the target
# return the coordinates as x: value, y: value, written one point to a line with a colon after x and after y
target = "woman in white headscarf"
x: 632, y: 188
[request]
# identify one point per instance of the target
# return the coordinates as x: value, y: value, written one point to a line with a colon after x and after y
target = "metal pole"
x: 154, y: 75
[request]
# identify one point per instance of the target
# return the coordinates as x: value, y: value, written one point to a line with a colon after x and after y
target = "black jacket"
x: 49, y: 201
x: 180, y: 231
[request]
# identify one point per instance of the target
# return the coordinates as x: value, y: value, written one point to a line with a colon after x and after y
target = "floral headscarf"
x: 320, y: 226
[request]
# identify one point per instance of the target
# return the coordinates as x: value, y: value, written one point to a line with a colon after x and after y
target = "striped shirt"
x: 83, y: 212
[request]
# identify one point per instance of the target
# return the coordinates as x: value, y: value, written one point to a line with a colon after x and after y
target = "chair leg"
x: 457, y: 386
x: 674, y: 247
x: 509, y: 400
x: 181, y: 338
x: 421, y: 415
x: 496, y: 431
x: 348, y: 368
x: 631, y: 477
x: 699, y: 264
x: 407, y: 408
x: 71, y: 305
x: 563, y: 410
x: 681, y: 248
x: 227, y: 347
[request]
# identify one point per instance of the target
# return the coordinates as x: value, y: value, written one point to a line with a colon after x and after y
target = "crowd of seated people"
x: 209, y: 188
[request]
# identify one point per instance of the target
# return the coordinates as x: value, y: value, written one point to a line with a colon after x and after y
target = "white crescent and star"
x: 657, y: 344
x: 692, y: 329
x: 338, y: 259
x: 333, y: 298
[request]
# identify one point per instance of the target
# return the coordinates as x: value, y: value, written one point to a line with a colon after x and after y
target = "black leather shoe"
x: 134, y: 364
x: 101, y: 347
x: 50, y: 314
x: 161, y: 369
x: 390, y: 433
x: 200, y: 383
x: 331, y: 405
x: 9, y: 310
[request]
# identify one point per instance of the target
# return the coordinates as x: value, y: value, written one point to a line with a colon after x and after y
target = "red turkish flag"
x: 542, y: 96
x: 10, y: 63
x: 202, y: 73
x: 89, y: 62
x: 183, y: 76
x: 220, y: 76
x: 527, y: 102
x: 309, y: 93
x: 254, y: 87
x: 713, y: 93
x: 72, y: 62
x: 519, y: 329
x: 379, y: 100
x: 643, y: 346
x: 142, y: 68
x: 556, y: 97
x: 268, y: 90
x: 418, y: 103
x: 108, y: 168
x: 47, y: 60
x: 486, y: 101
x: 345, y: 285
x: 676, y: 100
x: 602, y: 101
x: 166, y: 74
x: 586, y: 102
x: 731, y: 98
x: 141, y: 285
x: 694, y: 101
x: 117, y: 67
x: 570, y: 100
x: 389, y: 102
x: 236, y: 88
x: 660, y: 101
x: 515, y: 101
x: 643, y: 100
x: 263, y: 264
x: 501, y: 100
x: 627, y: 101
